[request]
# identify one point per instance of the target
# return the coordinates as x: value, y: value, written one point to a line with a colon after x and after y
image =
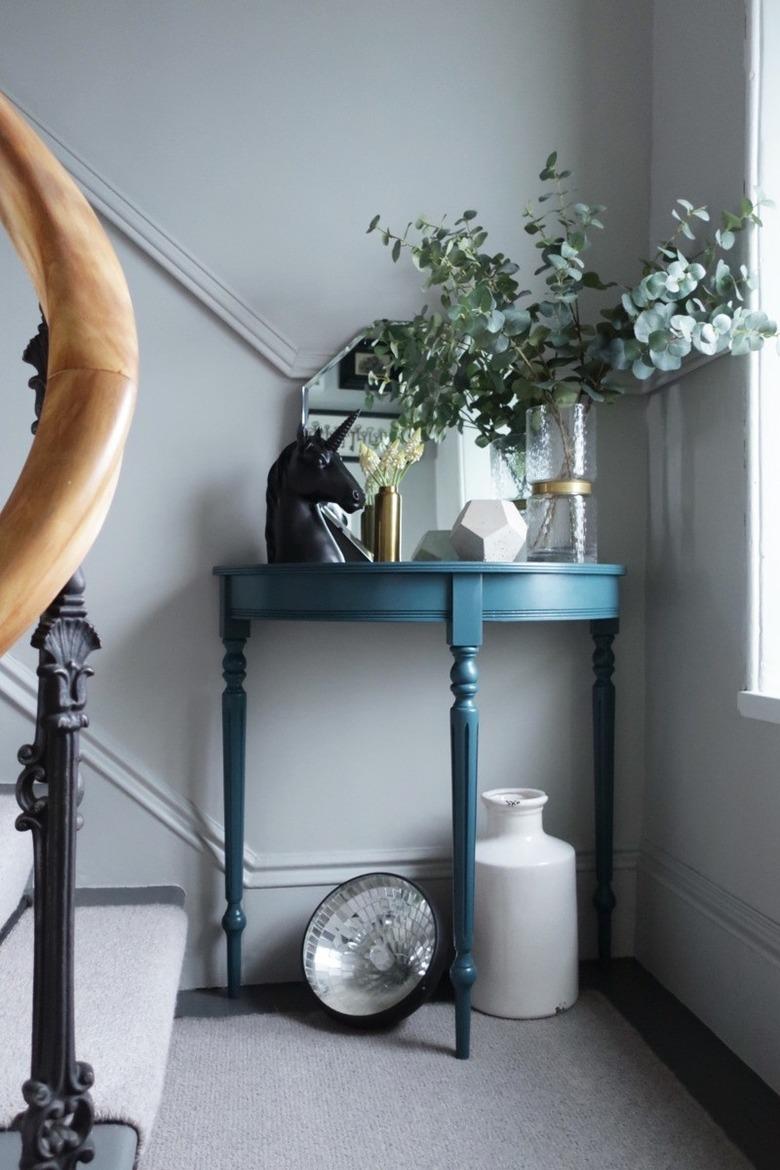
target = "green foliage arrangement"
x: 489, y: 349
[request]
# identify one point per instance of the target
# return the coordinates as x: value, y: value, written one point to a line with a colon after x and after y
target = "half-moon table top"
x: 420, y: 591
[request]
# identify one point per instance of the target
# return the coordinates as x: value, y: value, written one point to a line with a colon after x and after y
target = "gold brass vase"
x: 368, y: 527
x: 387, y: 520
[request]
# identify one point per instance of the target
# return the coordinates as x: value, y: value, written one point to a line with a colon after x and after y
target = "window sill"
x: 754, y: 705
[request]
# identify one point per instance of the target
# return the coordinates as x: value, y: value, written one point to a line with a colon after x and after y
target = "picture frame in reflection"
x: 370, y: 428
x: 356, y: 365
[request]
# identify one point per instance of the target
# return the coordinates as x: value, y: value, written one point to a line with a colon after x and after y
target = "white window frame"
x: 761, y: 697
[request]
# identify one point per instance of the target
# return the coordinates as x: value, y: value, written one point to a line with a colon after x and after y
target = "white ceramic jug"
x: 525, y: 913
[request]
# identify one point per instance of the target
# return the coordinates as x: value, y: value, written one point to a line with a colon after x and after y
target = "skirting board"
x: 282, y: 889
x: 276, y: 920
x: 717, y: 954
x: 18, y: 687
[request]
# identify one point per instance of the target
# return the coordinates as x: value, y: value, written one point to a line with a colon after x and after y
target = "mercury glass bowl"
x: 371, y: 950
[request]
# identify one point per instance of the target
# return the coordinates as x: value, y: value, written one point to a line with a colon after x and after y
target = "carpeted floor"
x: 128, y: 960
x: 577, y: 1092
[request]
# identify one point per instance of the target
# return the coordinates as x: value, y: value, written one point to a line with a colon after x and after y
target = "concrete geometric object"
x: 525, y: 916
x: 490, y: 530
x: 436, y: 545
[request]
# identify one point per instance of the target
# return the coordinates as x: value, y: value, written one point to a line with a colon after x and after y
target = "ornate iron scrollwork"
x: 36, y: 353
x: 57, y: 1122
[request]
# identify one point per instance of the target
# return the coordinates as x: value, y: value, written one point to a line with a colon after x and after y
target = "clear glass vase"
x: 562, y: 528
x: 507, y: 472
x: 561, y: 470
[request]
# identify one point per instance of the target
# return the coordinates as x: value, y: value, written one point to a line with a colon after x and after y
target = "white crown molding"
x: 732, y: 914
x: 18, y: 688
x: 164, y: 250
x: 661, y: 380
x: 211, y: 290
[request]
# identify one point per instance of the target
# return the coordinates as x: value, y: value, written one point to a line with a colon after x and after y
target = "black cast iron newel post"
x: 57, y: 1122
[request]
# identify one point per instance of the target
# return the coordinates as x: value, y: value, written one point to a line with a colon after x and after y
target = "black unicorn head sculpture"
x: 308, y: 473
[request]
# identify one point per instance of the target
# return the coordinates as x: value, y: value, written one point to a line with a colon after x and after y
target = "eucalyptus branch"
x: 485, y: 357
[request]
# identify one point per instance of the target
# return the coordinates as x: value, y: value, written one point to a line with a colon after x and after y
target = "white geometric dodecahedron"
x: 436, y: 545
x: 490, y: 530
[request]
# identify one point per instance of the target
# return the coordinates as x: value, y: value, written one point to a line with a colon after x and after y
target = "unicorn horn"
x: 334, y: 441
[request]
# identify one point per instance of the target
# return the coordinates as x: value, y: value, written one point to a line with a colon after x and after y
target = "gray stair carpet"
x: 128, y: 961
x: 15, y: 858
x: 115, y: 1148
x: 580, y: 1091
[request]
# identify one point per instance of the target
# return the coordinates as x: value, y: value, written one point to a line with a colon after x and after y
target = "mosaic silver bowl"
x: 371, y: 950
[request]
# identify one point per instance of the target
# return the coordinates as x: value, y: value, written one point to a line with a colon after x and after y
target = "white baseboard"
x: 716, y: 953
x: 262, y: 871
x: 730, y: 913
x: 276, y: 919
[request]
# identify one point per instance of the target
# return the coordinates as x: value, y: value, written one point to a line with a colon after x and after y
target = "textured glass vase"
x: 561, y: 470
x: 507, y: 472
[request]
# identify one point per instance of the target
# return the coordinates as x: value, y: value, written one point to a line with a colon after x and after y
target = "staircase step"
x: 128, y: 960
x: 115, y: 1148
x: 15, y: 858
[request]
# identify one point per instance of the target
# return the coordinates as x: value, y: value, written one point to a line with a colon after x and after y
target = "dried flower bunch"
x: 387, y: 464
x: 489, y: 348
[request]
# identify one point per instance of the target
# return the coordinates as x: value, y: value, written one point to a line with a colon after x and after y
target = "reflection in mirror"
x: 433, y: 490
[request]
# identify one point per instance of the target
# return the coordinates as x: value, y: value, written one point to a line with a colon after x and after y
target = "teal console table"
x: 463, y: 595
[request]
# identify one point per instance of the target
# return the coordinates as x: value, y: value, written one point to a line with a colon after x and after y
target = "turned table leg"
x: 464, y: 731
x: 234, y: 636
x: 465, y: 637
x: 604, y: 776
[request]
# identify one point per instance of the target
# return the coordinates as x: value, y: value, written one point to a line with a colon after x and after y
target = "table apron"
x: 420, y: 598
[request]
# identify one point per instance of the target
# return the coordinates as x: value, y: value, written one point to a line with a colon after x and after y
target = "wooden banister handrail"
x: 65, y: 488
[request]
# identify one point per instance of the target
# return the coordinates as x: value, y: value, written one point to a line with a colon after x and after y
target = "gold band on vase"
x: 562, y: 487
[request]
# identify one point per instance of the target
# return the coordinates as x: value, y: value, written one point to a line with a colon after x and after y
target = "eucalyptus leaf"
x: 481, y: 357
x: 516, y: 321
x: 641, y: 371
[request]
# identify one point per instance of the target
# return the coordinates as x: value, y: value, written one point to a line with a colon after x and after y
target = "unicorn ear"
x: 302, y: 436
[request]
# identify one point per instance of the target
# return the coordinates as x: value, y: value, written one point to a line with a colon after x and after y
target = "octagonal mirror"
x: 433, y: 490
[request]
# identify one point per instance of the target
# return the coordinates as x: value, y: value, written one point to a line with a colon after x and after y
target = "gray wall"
x: 260, y: 139
x: 708, y: 922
